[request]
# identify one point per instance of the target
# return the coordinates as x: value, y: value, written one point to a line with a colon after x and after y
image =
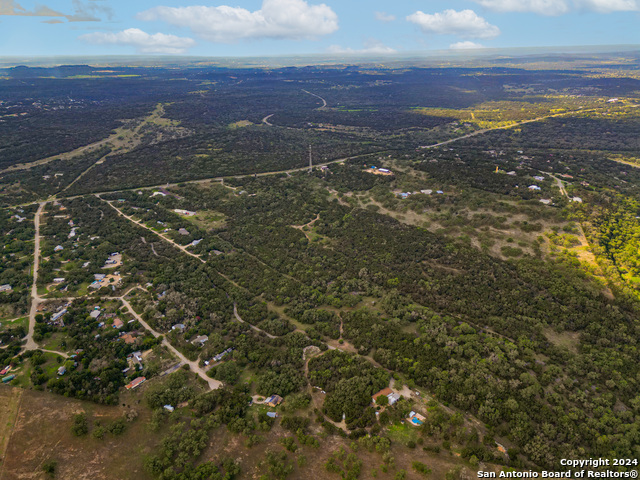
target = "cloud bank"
x: 277, y: 19
x: 84, y: 11
x: 559, y: 7
x: 142, y: 41
x: 465, y: 23
x: 371, y: 47
x: 466, y: 45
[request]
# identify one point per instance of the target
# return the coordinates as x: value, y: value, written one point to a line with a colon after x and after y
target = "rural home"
x: 135, y: 383
x: 273, y: 400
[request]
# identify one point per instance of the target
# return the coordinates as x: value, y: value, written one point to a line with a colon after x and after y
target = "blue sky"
x: 281, y: 27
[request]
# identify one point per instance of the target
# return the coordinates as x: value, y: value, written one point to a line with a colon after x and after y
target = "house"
x: 58, y: 248
x: 534, y: 187
x: 183, y: 231
x: 385, y: 391
x: 135, y: 383
x: 393, y: 398
x: 201, y: 339
x: 128, y: 338
x: 512, y: 173
x: 169, y: 408
x: 272, y: 415
x: 95, y: 313
x: 546, y: 201
x: 62, y: 370
x: 427, y: 191
x: 58, y: 280
x: 390, y: 394
x: 5, y: 370
x: 539, y: 178
x: 85, y: 264
x: 274, y: 401
x: 221, y: 355
x: 155, y: 194
x: 58, y: 315
x: 99, y: 276
x: 6, y: 288
x: 135, y: 356
x: 576, y: 199
x: 117, y: 323
x: 440, y: 192
x: 178, y: 326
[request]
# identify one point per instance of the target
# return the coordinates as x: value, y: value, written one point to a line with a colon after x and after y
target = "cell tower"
x: 310, y: 160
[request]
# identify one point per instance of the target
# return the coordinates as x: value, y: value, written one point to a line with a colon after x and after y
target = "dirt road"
x: 35, y: 299
x: 213, y: 384
x: 239, y: 318
x: 164, y: 237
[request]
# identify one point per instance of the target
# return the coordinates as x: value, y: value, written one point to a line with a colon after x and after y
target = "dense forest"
x: 492, y: 278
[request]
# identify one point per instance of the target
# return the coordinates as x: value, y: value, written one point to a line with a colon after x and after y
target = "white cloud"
x: 371, y: 47
x: 465, y: 23
x: 142, y: 41
x: 543, y: 7
x: 608, y: 6
x: 85, y: 11
x: 467, y: 45
x: 291, y: 19
x: 559, y: 7
x: 384, y: 17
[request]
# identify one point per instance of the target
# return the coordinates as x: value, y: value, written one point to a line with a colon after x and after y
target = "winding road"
x: 324, y: 102
x: 239, y: 318
x: 213, y: 384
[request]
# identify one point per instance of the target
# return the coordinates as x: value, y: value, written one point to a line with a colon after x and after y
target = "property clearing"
x: 9, y: 406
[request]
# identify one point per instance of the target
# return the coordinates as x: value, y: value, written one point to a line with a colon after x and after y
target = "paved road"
x: 213, y: 384
x: 506, y: 127
x: 324, y: 102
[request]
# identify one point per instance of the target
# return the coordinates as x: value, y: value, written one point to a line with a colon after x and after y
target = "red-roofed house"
x: 135, y: 383
x: 385, y: 391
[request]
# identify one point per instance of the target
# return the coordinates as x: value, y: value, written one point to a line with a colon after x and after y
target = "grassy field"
x: 43, y: 432
x: 9, y: 405
x: 208, y: 219
x: 41, y: 429
x: 13, y: 322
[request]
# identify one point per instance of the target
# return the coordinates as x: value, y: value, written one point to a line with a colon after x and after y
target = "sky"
x: 295, y: 27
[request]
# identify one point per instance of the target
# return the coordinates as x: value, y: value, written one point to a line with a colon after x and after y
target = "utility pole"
x: 310, y: 160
